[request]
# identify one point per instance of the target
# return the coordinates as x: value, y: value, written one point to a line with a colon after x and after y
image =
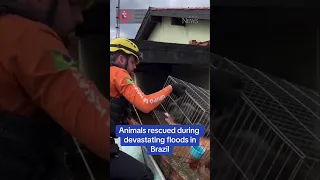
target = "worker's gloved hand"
x: 178, y: 89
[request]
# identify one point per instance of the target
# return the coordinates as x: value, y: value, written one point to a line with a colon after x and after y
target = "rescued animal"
x: 183, y: 152
x: 186, y: 113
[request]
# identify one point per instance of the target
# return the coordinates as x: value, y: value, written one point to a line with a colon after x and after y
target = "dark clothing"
x: 119, y: 113
x: 125, y: 167
x: 31, y: 148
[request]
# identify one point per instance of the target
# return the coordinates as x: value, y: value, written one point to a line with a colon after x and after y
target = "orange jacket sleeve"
x: 43, y: 68
x: 135, y: 96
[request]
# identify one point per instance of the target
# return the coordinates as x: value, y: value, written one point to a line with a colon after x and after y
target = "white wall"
x: 165, y: 32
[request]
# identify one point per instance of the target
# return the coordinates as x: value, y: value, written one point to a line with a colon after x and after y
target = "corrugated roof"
x: 192, y: 8
x: 195, y: 42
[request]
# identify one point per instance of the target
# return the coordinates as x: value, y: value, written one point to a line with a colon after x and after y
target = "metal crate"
x: 274, y: 131
x: 191, y: 108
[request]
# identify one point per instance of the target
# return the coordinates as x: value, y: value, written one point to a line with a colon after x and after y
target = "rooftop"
x: 185, y: 9
x: 195, y: 42
x: 154, y: 16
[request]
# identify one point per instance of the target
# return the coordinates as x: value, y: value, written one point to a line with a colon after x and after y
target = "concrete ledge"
x: 158, y: 52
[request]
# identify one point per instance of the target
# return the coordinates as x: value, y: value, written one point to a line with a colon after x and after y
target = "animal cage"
x: 191, y: 108
x: 273, y: 133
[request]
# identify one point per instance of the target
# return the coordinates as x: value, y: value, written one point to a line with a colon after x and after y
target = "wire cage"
x: 273, y: 133
x: 191, y: 108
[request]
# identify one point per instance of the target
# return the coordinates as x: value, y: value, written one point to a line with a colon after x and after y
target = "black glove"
x: 178, y: 89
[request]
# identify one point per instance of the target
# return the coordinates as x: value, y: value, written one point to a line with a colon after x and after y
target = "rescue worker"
x: 41, y: 94
x: 124, y: 56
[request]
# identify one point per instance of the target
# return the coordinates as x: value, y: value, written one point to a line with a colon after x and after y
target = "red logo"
x: 124, y: 16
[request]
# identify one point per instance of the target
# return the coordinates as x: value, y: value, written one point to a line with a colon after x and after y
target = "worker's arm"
x: 135, y: 96
x: 43, y: 70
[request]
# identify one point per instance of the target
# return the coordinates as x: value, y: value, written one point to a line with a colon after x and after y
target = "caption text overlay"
x: 159, y: 139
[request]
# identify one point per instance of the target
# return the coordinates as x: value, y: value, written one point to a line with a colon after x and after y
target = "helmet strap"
x: 126, y: 64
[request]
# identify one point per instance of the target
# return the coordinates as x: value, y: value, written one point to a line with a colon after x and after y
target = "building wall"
x: 165, y: 32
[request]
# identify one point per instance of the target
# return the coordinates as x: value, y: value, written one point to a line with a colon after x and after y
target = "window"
x: 177, y: 21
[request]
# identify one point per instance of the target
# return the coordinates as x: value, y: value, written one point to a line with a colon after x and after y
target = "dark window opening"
x: 177, y: 21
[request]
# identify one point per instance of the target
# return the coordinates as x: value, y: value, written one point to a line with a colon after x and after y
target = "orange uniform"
x: 36, y: 72
x: 121, y: 84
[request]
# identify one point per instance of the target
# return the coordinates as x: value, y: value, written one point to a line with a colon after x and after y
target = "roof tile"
x: 195, y: 42
x: 192, y: 8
